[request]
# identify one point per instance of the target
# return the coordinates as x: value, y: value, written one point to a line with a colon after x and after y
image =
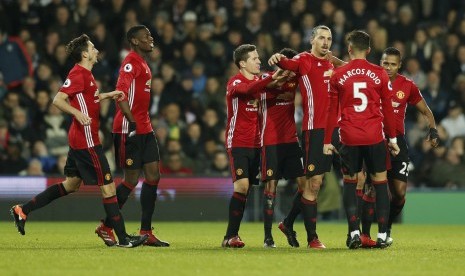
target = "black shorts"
x: 400, y: 162
x: 374, y: 156
x: 134, y: 152
x: 282, y: 160
x: 90, y: 165
x: 316, y: 162
x: 244, y: 163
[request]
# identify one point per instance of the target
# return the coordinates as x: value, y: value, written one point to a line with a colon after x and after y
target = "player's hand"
x: 328, y: 149
x: 83, y: 119
x: 393, y: 148
x: 117, y: 95
x: 433, y: 137
x: 329, y: 56
x: 132, y: 129
x: 274, y: 59
x: 279, y: 75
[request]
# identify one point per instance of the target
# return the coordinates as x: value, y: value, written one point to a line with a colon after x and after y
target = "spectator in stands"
x: 40, y: 152
x: 14, y: 62
x: 174, y: 167
x: 34, y: 168
x: 436, y: 96
x: 20, y: 130
x: 64, y: 24
x: 220, y: 165
x: 3, y: 88
x: 55, y: 131
x: 454, y: 122
x: 14, y: 162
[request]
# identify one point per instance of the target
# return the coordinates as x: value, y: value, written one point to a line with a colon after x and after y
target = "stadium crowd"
x: 193, y: 60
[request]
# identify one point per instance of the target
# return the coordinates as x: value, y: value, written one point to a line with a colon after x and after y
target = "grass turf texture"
x: 72, y: 248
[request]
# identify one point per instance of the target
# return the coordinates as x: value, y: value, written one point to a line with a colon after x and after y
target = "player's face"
x: 390, y: 63
x: 321, y: 42
x: 92, y: 52
x: 252, y: 64
x: 145, y: 40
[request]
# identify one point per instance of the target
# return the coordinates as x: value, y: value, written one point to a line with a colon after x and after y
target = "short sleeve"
x: 73, y: 84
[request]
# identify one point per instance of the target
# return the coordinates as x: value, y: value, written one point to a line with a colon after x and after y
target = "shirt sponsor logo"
x: 328, y: 73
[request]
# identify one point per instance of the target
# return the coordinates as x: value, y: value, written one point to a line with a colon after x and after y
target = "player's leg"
x: 367, y: 214
x: 269, y: 195
x: 351, y: 164
x: 148, y: 198
x: 70, y: 185
x: 94, y: 169
x: 244, y: 165
x: 375, y: 160
x: 287, y: 225
x: 309, y: 209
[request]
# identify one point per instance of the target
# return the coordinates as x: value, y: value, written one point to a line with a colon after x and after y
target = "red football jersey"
x: 82, y: 91
x: 243, y: 127
x: 404, y: 91
x: 134, y: 80
x: 361, y: 88
x: 277, y: 114
x: 314, y: 75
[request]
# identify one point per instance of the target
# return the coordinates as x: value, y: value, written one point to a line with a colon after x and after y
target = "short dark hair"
x: 288, y: 52
x: 319, y: 27
x: 359, y: 40
x: 241, y: 53
x: 132, y: 32
x: 76, y: 46
x: 392, y: 51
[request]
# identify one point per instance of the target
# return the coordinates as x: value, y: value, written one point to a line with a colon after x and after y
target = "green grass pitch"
x: 72, y: 248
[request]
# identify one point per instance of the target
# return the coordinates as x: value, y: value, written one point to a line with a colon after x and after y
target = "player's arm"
x: 433, y: 135
x: 283, y: 62
x: 337, y: 62
x: 331, y: 120
x: 115, y: 95
x: 127, y: 74
x: 388, y: 112
x: 61, y: 101
x: 252, y: 87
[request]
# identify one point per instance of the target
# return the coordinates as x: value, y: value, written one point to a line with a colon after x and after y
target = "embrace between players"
x: 356, y: 111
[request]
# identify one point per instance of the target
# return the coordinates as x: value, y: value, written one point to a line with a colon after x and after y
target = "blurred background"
x: 190, y: 65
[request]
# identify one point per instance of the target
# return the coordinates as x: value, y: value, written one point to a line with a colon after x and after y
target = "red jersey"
x: 360, y: 89
x: 277, y: 114
x: 404, y: 91
x: 82, y: 91
x: 243, y: 128
x: 314, y: 75
x: 134, y: 80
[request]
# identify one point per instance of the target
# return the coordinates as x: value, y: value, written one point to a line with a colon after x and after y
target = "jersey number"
x: 360, y: 95
x: 404, y: 169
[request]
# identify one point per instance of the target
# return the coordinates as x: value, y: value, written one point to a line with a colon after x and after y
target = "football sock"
x: 122, y: 192
x: 268, y: 212
x: 368, y: 211
x: 148, y: 196
x: 50, y: 194
x: 309, y: 212
x: 350, y: 203
x: 359, y: 193
x: 114, y: 217
x: 236, y: 211
x: 295, y: 210
x: 382, y: 205
x: 395, y: 210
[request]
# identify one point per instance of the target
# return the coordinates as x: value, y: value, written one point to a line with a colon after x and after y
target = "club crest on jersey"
x: 311, y: 167
x: 400, y: 94
x: 107, y: 176
x: 254, y: 104
x: 239, y: 171
x: 127, y: 67
x: 269, y: 172
x: 129, y: 161
x: 67, y: 83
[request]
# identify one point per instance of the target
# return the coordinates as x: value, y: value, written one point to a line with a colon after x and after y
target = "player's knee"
x: 72, y: 184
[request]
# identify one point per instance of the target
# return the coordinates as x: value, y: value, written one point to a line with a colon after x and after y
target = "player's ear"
x: 368, y: 50
x: 242, y: 64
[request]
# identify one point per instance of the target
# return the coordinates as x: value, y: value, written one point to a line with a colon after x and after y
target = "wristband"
x: 393, y: 140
